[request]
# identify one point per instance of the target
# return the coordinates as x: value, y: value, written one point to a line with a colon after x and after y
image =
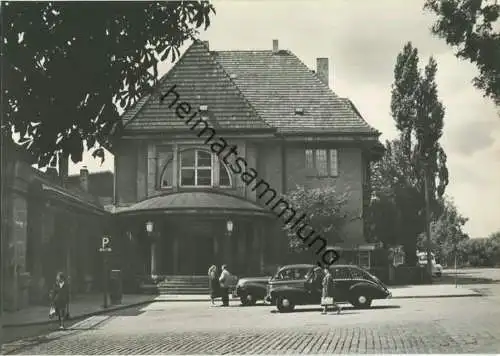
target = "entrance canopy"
x: 195, y: 202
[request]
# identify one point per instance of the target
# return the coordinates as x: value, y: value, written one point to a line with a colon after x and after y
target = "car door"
x: 314, y: 286
x: 343, y: 281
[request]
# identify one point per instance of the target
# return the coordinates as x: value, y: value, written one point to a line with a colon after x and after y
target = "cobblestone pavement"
x: 444, y: 325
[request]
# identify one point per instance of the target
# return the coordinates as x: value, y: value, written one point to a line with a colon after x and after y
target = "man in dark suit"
x: 60, y: 298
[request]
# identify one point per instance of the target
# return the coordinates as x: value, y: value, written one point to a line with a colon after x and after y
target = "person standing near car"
x: 225, y: 280
x: 213, y: 281
x: 328, y: 292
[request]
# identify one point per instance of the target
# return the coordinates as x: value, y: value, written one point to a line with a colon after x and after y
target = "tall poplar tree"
x: 418, y: 115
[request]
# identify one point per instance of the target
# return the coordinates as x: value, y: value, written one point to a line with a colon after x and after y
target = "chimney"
x: 84, y: 178
x: 322, y: 70
x: 206, y: 44
x: 275, y: 46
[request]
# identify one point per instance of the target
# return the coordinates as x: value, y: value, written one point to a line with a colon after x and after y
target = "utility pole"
x: 428, y: 221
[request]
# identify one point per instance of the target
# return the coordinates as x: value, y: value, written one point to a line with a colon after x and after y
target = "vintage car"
x: 251, y: 289
x: 301, y: 284
x: 437, y: 269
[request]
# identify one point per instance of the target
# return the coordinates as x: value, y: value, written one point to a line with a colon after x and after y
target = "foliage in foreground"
x: 66, y: 64
x: 472, y: 28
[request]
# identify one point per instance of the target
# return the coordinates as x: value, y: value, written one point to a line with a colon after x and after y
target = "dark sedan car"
x: 302, y: 285
x: 251, y: 289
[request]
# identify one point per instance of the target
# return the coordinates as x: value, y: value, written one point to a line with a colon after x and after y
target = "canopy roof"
x: 195, y: 202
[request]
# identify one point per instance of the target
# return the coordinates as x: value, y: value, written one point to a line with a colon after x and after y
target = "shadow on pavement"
x: 132, y: 311
x: 346, y: 308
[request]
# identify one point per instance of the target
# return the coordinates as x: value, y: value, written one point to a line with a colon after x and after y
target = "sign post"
x: 105, y: 249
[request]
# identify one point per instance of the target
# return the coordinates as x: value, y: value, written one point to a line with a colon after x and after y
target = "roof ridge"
x: 247, y: 50
x: 252, y: 108
x: 147, y: 97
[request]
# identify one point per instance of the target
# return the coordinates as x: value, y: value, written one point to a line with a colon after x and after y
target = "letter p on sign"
x: 105, y: 244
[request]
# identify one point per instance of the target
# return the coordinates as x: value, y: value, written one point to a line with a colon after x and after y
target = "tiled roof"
x: 195, y: 200
x: 199, y: 81
x: 277, y: 84
x: 248, y: 89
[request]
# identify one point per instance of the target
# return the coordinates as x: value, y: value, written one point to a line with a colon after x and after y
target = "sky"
x: 362, y: 39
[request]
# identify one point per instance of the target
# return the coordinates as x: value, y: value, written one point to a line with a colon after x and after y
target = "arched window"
x: 168, y: 175
x: 195, y: 168
x: 224, y: 177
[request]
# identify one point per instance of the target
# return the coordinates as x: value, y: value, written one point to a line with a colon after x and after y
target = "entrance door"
x: 203, y: 254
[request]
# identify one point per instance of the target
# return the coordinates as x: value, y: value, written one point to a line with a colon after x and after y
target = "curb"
x: 80, y: 316
x: 439, y: 296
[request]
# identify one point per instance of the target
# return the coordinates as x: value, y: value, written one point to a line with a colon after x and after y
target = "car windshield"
x: 292, y: 273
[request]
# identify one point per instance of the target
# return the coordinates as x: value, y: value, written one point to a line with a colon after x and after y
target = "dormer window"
x: 203, y: 108
x: 197, y: 168
x: 299, y: 111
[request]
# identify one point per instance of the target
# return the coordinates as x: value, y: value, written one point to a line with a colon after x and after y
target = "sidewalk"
x: 432, y: 291
x: 80, y: 307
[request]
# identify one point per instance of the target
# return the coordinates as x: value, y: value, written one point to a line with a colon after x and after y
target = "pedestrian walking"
x: 225, y: 283
x: 328, y: 293
x: 60, y: 298
x: 213, y: 283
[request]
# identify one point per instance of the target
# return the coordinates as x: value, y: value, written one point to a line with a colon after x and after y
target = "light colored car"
x: 437, y: 269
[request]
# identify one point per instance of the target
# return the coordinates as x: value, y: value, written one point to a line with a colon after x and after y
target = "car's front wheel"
x: 284, y: 304
x: 247, y: 299
x: 361, y: 301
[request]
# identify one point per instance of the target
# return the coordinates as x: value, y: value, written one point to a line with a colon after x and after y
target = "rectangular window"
x: 333, y: 163
x: 188, y: 176
x: 204, y: 177
x: 323, y: 161
x: 309, y: 159
x: 188, y: 158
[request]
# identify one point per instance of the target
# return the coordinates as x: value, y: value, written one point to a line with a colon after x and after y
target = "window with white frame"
x: 224, y: 177
x: 323, y: 161
x: 196, y: 168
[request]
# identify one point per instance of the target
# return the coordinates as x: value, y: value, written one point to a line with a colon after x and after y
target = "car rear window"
x: 340, y: 273
x: 360, y: 274
x: 292, y: 273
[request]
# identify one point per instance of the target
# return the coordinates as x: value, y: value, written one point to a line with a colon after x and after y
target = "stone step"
x: 183, y: 291
x: 184, y: 282
x: 183, y: 277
